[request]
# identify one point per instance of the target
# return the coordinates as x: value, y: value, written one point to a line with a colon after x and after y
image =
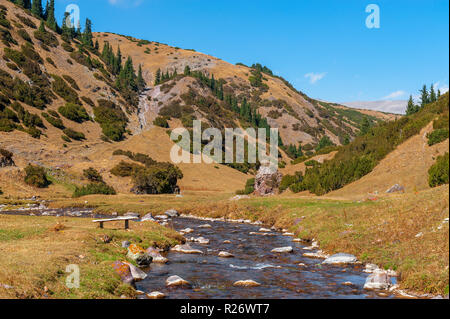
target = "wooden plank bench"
x: 125, y: 218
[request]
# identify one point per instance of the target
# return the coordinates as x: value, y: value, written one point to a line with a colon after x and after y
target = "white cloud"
x: 394, y: 95
x: 315, y: 77
x: 133, y: 3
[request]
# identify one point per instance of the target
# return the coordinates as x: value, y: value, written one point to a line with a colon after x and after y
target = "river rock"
x: 204, y: 226
x: 225, y: 254
x: 148, y: 218
x: 162, y: 217
x: 172, y: 213
x: 370, y: 268
x: 227, y: 241
x: 288, y: 234
x: 340, y: 258
x: 378, y: 280
x: 268, y: 179
x: 186, y: 231
x: 139, y: 255
x: 124, y: 272
x: 318, y: 254
x: 186, y: 249
x: 283, y: 250
x: 246, y: 283
x: 156, y: 255
x: 264, y: 230
x: 137, y: 274
x: 176, y: 281
x: 156, y: 295
x: 200, y: 240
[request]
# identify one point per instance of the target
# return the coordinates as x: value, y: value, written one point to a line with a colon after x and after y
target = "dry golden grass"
x: 34, y: 256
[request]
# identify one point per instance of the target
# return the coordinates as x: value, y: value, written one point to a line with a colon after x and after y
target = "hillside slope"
x: 61, y: 101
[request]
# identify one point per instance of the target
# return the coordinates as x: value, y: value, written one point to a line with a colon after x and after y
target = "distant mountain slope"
x: 397, y: 106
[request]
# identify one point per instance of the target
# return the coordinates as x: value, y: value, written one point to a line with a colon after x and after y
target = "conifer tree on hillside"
x: 158, y: 77
x: 411, y: 108
x: 51, y: 20
x: 36, y: 8
x: 87, y: 34
x: 140, y: 79
x: 433, y: 97
x: 27, y: 4
x: 67, y: 30
x: 20, y: 3
x: 187, y: 70
x: 45, y: 14
x: 424, y: 96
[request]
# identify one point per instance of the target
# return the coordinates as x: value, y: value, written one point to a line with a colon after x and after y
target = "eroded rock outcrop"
x: 268, y: 179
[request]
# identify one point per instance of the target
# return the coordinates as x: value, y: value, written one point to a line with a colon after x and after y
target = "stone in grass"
x: 283, y: 250
x: 340, y: 259
x: 177, y: 281
x: 139, y: 255
x: 156, y: 295
x: 246, y: 283
x: 124, y: 272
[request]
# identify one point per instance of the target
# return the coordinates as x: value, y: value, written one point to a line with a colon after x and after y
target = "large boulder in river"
x: 156, y: 255
x: 172, y: 213
x: 268, y: 180
x: 139, y: 255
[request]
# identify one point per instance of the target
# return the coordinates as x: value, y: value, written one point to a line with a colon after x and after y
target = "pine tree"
x: 36, y: 8
x: 424, y: 96
x: 51, y: 21
x: 20, y: 3
x: 411, y: 108
x: 187, y: 70
x: 87, y: 34
x: 66, y: 28
x: 432, y: 94
x: 97, y: 45
x: 45, y: 14
x: 365, y: 126
x: 27, y: 4
x: 158, y: 77
x: 140, y: 79
x: 438, y: 94
x: 42, y: 27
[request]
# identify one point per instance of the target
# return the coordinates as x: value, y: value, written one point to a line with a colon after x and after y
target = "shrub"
x: 94, y: 188
x: 56, y: 122
x: 137, y: 157
x: 61, y: 88
x: 161, y: 122
x: 438, y: 173
x: 47, y: 38
x: 112, y: 119
x: 24, y: 35
x: 36, y: 176
x: 66, y: 139
x: 93, y: 175
x: 71, y: 81
x: 1, y: 192
x: 249, y: 187
x: 78, y: 136
x: 437, y: 136
x: 74, y: 112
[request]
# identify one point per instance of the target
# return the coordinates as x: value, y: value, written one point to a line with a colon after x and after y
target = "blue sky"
x: 322, y: 47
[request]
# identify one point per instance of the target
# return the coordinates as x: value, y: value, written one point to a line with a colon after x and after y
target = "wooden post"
x: 101, y: 224
x: 126, y: 224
